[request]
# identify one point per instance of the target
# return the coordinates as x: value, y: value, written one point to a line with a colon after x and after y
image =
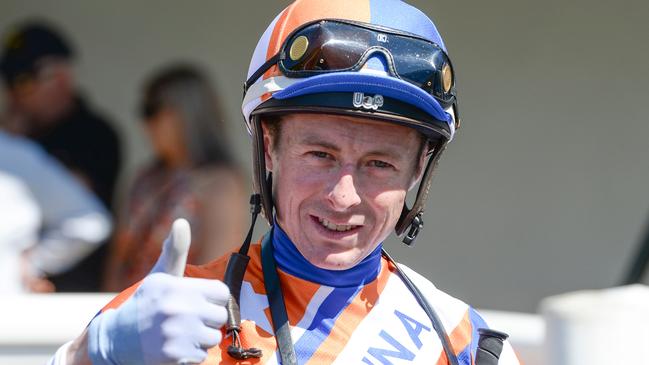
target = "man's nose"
x: 344, y: 195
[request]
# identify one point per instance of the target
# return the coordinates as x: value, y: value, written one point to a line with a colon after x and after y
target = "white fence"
x: 33, y: 326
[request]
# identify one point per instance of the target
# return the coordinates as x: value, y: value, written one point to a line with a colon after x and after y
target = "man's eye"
x: 320, y: 154
x: 380, y: 164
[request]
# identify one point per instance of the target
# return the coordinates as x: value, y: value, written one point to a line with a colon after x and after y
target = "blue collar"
x: 291, y: 261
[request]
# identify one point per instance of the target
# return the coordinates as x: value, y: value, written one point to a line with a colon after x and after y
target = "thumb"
x: 173, y: 258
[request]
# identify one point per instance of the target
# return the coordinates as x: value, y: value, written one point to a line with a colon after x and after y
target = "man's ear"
x: 268, y: 146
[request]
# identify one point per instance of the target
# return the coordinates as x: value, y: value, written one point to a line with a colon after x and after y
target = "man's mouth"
x: 336, y: 227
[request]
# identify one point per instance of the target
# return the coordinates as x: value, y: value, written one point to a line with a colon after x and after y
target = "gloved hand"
x: 168, y: 320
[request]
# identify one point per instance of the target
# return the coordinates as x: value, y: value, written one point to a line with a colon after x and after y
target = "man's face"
x: 45, y: 96
x: 340, y: 183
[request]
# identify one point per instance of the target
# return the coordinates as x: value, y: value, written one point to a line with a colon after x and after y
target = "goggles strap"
x: 260, y: 71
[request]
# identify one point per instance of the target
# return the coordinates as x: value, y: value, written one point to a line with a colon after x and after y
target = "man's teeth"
x: 336, y: 227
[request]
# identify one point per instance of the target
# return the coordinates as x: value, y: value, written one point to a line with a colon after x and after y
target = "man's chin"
x: 337, y: 261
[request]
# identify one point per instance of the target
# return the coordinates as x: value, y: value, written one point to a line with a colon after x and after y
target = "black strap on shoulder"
x: 276, y: 302
x: 437, y: 323
x: 234, y: 273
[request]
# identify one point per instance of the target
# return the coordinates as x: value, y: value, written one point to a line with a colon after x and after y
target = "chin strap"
x: 233, y: 279
x: 410, y: 222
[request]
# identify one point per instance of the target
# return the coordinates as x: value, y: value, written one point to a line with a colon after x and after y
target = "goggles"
x: 327, y: 46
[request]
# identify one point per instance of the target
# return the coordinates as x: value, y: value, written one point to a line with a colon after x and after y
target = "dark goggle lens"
x: 428, y: 67
x: 325, y: 47
x: 330, y: 46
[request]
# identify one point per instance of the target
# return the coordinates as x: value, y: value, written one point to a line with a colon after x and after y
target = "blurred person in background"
x: 44, y: 104
x: 192, y: 176
x: 49, y: 221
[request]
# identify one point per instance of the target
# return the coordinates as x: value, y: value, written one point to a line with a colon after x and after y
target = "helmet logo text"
x: 368, y: 102
x: 383, y: 38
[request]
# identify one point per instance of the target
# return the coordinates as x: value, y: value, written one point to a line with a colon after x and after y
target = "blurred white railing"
x: 526, y: 333
x: 32, y: 327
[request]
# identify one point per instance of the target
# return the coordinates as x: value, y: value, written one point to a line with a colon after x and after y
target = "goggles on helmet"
x: 327, y: 46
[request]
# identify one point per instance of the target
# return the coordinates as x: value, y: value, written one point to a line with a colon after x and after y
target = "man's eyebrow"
x: 390, y: 152
x: 317, y: 141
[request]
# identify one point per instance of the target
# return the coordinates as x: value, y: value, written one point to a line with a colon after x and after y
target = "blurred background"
x: 545, y: 189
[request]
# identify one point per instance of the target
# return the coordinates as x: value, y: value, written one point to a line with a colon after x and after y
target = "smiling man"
x: 340, y: 183
x: 349, y: 105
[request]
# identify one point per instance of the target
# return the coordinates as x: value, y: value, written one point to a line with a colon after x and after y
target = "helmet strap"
x: 411, y: 218
x: 262, y: 180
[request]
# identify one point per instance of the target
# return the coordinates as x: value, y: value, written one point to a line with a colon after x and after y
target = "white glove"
x: 168, y: 320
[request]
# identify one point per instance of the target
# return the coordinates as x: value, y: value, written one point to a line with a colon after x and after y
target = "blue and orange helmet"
x: 379, y: 59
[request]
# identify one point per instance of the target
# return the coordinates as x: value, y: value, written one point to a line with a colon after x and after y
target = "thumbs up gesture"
x: 175, y: 248
x: 169, y: 319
